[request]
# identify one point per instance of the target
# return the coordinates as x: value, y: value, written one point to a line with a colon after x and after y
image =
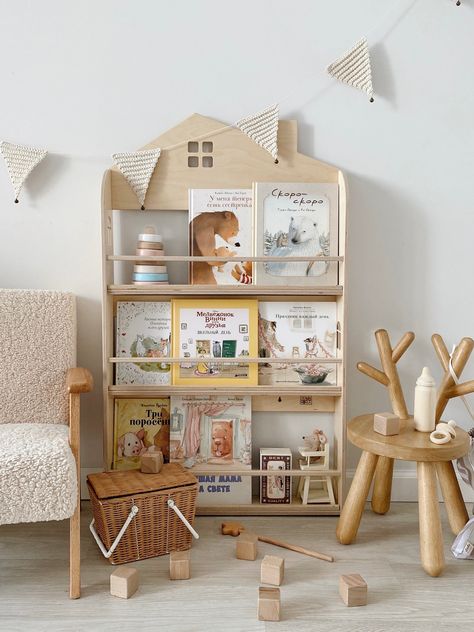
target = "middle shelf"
x: 167, y: 389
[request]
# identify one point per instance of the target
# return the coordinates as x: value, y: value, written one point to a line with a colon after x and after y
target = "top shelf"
x: 187, y: 258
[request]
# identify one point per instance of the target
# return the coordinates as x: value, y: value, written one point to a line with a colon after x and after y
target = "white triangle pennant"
x: 20, y: 161
x: 354, y: 68
x: 262, y: 128
x: 137, y: 168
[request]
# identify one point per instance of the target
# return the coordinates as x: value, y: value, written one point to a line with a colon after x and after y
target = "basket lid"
x: 130, y: 482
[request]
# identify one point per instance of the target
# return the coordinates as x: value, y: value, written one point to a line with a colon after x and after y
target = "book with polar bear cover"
x: 212, y: 435
x: 221, y: 225
x: 296, y: 220
x: 140, y: 426
x: 143, y: 330
x: 299, y: 330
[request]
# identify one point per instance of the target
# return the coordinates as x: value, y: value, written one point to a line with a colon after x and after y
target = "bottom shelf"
x: 296, y: 508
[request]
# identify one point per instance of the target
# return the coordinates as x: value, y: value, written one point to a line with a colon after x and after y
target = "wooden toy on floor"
x: 272, y: 570
x: 386, y: 424
x: 353, y: 590
x: 246, y: 546
x: 269, y: 605
x: 236, y: 528
x: 151, y: 462
x: 180, y: 565
x: 124, y: 582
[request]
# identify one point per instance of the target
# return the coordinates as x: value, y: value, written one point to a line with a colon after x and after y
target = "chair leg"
x: 75, y: 553
x: 453, y: 500
x: 382, y: 492
x: 431, y: 536
x: 351, y: 513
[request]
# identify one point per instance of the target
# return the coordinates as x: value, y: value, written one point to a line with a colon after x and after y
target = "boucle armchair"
x: 39, y: 413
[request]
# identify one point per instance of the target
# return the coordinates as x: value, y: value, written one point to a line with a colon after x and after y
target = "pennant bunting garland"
x: 354, y: 68
x: 20, y: 161
x: 262, y: 128
x: 137, y: 168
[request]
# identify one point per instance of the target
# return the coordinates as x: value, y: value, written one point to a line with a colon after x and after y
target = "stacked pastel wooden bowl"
x: 147, y: 271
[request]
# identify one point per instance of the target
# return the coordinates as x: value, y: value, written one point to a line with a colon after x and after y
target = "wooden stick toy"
x: 236, y: 528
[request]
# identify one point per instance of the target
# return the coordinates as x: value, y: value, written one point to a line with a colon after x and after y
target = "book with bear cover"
x: 204, y: 329
x: 143, y: 330
x: 221, y: 225
x: 298, y: 330
x: 275, y: 490
x: 213, y: 434
x: 296, y: 220
x: 140, y: 426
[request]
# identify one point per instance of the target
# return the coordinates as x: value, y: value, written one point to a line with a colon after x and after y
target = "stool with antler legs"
x: 433, y: 461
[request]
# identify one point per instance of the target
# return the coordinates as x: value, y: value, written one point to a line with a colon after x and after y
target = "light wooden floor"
x: 222, y: 594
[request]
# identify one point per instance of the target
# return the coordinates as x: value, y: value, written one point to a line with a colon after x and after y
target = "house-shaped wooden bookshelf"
x: 201, y: 152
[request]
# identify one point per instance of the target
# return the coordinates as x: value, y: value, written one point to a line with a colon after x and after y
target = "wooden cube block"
x: 386, y: 424
x: 353, y: 590
x: 124, y: 582
x: 268, y: 604
x: 180, y: 565
x: 151, y: 462
x: 272, y: 570
x: 246, y: 546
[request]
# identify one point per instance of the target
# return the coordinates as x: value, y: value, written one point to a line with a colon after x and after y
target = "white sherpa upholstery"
x: 37, y: 346
x: 38, y: 478
x: 37, y: 473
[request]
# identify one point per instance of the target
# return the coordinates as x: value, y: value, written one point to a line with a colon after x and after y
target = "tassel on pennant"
x: 262, y: 128
x: 354, y: 68
x: 137, y: 168
x: 20, y: 161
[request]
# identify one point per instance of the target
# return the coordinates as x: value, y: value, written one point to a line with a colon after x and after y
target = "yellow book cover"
x: 204, y: 329
x: 140, y: 426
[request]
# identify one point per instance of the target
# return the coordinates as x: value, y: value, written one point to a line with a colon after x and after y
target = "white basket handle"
x: 172, y: 505
x: 105, y: 553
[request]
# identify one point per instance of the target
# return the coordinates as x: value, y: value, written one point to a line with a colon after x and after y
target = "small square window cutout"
x: 193, y: 147
x: 207, y: 147
x: 193, y: 161
x: 207, y: 161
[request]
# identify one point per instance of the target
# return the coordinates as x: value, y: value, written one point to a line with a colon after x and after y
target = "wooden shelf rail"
x: 187, y: 258
x: 220, y: 360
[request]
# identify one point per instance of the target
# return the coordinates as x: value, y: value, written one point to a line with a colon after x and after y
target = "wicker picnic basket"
x: 140, y: 501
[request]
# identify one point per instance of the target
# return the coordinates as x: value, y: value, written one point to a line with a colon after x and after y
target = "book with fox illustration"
x: 143, y: 331
x: 299, y: 330
x: 213, y: 434
x: 140, y: 426
x: 221, y: 225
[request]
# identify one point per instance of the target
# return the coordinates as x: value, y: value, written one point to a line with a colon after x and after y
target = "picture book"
x: 296, y: 220
x: 221, y: 225
x: 299, y: 330
x: 275, y: 489
x: 143, y: 331
x: 207, y: 329
x: 213, y: 435
x: 140, y: 426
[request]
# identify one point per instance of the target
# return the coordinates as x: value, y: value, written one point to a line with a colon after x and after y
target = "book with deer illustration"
x: 212, y: 435
x: 207, y: 329
x: 297, y: 330
x: 296, y: 220
x: 143, y: 331
x: 276, y: 489
x: 140, y: 426
x: 221, y: 225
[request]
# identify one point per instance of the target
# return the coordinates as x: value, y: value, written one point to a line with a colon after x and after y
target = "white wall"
x: 90, y: 78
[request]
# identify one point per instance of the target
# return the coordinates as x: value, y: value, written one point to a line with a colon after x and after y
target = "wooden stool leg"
x: 351, y: 513
x: 382, y: 491
x: 453, y: 500
x: 431, y: 537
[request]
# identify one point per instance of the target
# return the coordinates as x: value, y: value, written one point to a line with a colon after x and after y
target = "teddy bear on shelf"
x: 316, y: 440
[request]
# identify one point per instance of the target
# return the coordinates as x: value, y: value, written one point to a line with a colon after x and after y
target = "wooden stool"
x: 431, y: 460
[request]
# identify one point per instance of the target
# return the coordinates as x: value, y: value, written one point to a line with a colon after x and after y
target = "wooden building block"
x: 124, y: 582
x: 272, y: 570
x: 151, y: 462
x: 386, y: 424
x: 180, y: 565
x: 268, y: 604
x: 246, y: 546
x: 353, y: 590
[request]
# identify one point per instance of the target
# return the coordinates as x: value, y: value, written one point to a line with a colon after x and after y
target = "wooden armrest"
x: 79, y: 380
